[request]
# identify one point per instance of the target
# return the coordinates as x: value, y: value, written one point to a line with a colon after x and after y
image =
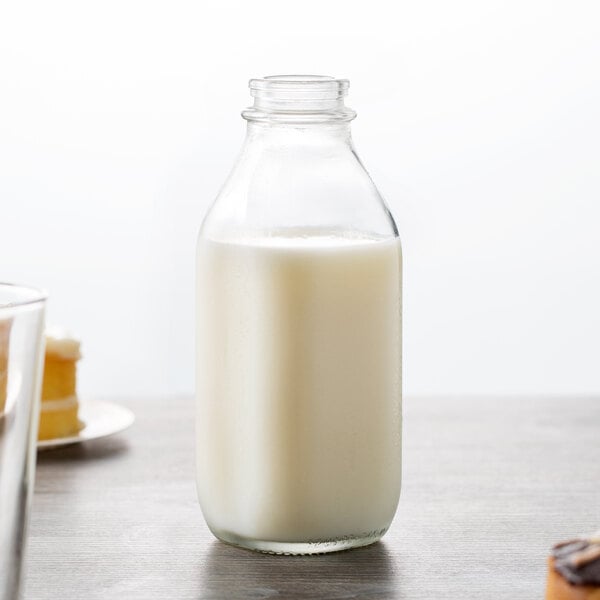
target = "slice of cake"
x: 5, y: 325
x: 58, y: 414
x: 574, y: 570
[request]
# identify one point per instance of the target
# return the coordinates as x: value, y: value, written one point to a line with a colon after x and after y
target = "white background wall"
x: 479, y: 121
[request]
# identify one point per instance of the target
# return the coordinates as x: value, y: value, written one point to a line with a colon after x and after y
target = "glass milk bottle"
x: 298, y: 334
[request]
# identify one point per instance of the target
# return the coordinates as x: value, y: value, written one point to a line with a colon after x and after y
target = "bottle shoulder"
x: 312, y: 186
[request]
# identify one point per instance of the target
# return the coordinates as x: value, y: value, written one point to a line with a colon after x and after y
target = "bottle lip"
x: 299, y: 87
x: 299, y: 99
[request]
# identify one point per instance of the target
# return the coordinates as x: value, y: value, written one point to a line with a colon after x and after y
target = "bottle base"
x: 324, y: 546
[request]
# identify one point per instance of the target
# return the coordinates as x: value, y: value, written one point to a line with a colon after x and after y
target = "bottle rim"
x: 299, y: 99
x: 299, y: 87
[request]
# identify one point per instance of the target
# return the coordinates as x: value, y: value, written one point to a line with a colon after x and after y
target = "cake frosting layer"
x: 61, y: 344
x: 578, y: 560
x: 58, y: 404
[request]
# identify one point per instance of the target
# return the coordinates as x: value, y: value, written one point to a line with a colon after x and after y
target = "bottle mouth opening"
x: 299, y: 87
x: 299, y: 98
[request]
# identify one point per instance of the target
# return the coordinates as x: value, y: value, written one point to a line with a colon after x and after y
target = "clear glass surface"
x: 298, y: 334
x: 21, y: 355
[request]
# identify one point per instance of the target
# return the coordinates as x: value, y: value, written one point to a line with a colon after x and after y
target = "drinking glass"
x: 21, y: 353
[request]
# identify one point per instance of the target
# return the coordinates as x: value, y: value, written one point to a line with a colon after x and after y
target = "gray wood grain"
x: 489, y: 484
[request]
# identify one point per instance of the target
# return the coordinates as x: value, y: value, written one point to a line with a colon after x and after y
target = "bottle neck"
x: 299, y: 100
x: 306, y: 134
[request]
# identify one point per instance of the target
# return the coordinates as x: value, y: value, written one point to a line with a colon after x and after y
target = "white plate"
x: 100, y: 419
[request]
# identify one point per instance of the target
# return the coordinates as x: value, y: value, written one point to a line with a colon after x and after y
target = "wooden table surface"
x: 489, y: 484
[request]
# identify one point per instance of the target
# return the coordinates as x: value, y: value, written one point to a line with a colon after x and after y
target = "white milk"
x: 299, y: 386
